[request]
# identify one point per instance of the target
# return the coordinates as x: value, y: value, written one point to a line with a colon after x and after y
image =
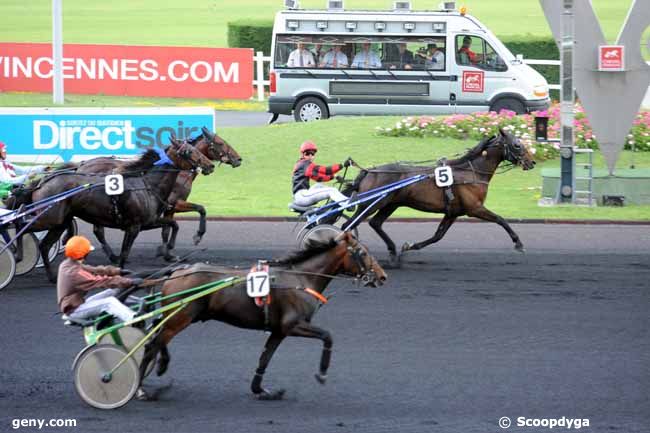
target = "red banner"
x: 181, y: 72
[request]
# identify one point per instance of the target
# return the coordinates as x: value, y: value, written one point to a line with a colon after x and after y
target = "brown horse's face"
x: 186, y: 157
x: 515, y: 151
x: 216, y: 148
x: 359, y: 262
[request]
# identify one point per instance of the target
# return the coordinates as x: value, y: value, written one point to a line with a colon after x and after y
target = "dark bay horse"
x: 140, y: 206
x: 212, y: 147
x: 472, y: 174
x: 290, y: 311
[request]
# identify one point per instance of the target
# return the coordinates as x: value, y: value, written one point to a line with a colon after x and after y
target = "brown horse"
x: 140, y: 206
x: 295, y: 297
x: 472, y: 174
x: 212, y: 147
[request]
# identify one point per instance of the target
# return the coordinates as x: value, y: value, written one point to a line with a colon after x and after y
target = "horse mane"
x: 145, y: 162
x: 194, y: 140
x: 473, y: 152
x: 299, y: 256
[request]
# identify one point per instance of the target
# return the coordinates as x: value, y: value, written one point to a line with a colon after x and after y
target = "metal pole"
x: 567, y: 169
x: 57, y: 52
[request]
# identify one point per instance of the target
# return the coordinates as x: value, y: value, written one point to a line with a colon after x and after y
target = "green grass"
x: 262, y: 185
x: 203, y: 23
x: 28, y: 99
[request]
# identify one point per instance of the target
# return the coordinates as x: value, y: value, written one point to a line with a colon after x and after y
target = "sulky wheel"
x: 64, y: 237
x: 129, y: 337
x: 93, y: 383
x: 31, y: 254
x: 320, y: 234
x: 55, y: 249
x: 7, y: 266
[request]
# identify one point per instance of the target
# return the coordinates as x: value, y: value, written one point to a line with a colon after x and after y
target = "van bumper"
x: 281, y: 105
x: 537, y: 104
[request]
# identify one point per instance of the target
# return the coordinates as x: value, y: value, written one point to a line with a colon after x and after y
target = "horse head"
x: 357, y: 261
x: 187, y: 157
x: 515, y: 151
x: 217, y: 149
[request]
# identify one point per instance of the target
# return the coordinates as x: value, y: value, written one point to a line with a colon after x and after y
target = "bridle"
x: 357, y: 253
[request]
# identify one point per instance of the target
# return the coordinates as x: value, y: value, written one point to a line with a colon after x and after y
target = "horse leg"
x: 307, y: 330
x: 186, y: 206
x: 271, y: 345
x: 164, y: 234
x: 44, y: 246
x: 159, y: 346
x: 376, y: 222
x: 129, y: 237
x: 444, y: 225
x: 69, y: 232
x: 488, y: 215
x: 99, y: 234
x: 167, y: 223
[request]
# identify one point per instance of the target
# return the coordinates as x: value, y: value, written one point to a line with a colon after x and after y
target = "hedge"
x: 257, y: 34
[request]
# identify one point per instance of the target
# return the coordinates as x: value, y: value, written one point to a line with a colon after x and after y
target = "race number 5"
x: 114, y: 184
x: 257, y: 284
x: 444, y: 177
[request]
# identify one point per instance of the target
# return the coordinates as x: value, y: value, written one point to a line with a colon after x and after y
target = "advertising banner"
x: 182, y: 72
x: 46, y: 135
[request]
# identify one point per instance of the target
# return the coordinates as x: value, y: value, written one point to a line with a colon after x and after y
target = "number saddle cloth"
x: 449, y: 194
x: 265, y: 301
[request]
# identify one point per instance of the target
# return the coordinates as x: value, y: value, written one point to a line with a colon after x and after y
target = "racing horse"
x: 471, y: 173
x: 140, y: 206
x: 212, y: 147
x: 296, y: 294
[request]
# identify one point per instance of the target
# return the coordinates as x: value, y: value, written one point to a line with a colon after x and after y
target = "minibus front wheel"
x: 511, y: 104
x: 310, y: 108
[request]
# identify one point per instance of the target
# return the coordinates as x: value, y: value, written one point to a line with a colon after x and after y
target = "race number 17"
x: 257, y: 284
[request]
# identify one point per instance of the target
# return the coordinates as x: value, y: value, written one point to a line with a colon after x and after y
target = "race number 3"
x: 114, y: 184
x: 444, y: 177
x: 257, y: 284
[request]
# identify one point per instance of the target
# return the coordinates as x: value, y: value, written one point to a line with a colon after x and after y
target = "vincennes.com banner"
x: 47, y: 135
x: 183, y: 72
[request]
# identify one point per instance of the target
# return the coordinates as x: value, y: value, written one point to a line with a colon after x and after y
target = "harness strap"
x: 316, y: 295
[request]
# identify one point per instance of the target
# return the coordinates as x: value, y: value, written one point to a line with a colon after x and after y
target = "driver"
x: 11, y: 174
x: 305, y: 169
x: 76, y: 278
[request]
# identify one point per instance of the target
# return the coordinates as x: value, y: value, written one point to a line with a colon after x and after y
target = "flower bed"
x: 479, y: 125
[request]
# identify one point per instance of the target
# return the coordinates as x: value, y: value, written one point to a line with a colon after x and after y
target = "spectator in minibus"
x: 366, y: 58
x: 319, y: 53
x: 301, y: 58
x: 404, y: 59
x: 334, y: 59
x: 433, y: 58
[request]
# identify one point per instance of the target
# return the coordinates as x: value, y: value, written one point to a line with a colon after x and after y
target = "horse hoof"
x: 407, y: 246
x: 171, y: 258
x: 142, y: 395
x: 160, y: 251
x: 520, y: 248
x: 269, y: 396
x: 321, y: 378
x: 197, y: 238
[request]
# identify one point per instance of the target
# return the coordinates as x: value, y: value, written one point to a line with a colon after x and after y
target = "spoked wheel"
x: 320, y: 234
x: 30, y: 253
x: 129, y: 337
x: 100, y: 389
x: 75, y: 232
x: 7, y: 266
x: 52, y: 253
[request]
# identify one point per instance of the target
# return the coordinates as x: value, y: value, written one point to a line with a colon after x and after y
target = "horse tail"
x: 354, y: 186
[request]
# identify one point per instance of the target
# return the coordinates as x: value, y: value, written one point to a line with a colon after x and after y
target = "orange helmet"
x: 308, y: 145
x: 78, y: 247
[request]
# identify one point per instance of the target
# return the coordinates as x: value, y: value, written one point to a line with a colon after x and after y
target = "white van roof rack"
x: 291, y: 4
x: 402, y: 6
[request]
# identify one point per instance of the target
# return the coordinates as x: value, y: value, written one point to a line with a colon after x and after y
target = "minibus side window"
x: 475, y: 51
x: 411, y: 55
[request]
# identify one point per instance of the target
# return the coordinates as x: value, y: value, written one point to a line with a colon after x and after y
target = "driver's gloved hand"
x: 348, y: 162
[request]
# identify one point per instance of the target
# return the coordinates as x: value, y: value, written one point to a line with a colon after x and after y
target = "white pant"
x: 318, y: 192
x: 103, y: 301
